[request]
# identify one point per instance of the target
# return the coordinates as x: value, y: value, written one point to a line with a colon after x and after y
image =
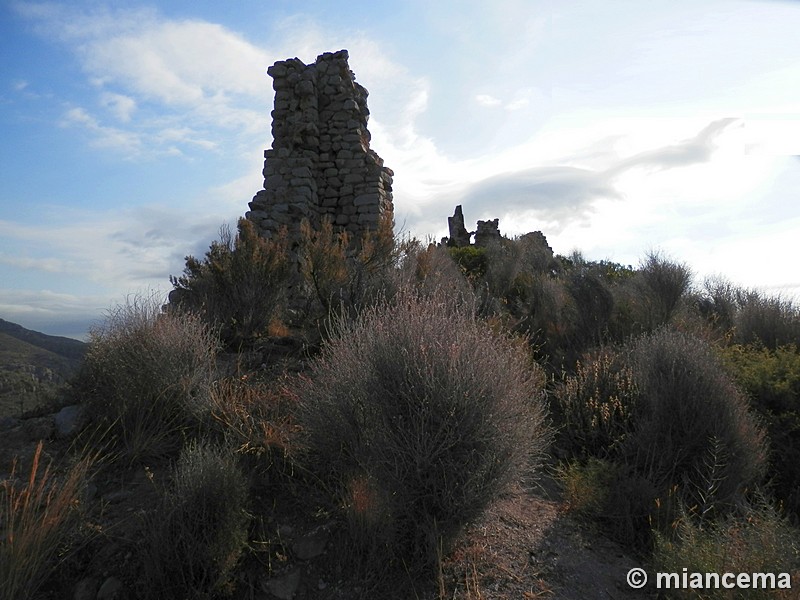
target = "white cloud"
x: 103, y: 136
x: 155, y: 76
x: 119, y: 105
x: 487, y: 100
x: 517, y: 104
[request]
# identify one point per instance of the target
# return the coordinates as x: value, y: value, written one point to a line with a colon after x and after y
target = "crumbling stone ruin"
x: 320, y: 164
x: 487, y: 232
x: 459, y: 236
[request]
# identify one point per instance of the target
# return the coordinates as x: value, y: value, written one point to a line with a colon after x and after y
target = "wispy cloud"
x: 103, y: 136
x: 57, y: 313
x: 695, y: 150
x: 563, y: 193
x: 120, y: 105
x: 155, y: 76
x: 487, y: 100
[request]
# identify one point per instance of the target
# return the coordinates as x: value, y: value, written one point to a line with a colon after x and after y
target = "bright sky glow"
x: 131, y: 131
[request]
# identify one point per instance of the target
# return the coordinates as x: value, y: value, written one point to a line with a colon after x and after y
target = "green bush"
x: 772, y: 380
x: 417, y: 416
x: 146, y: 376
x: 194, y: 539
x: 239, y: 287
x: 470, y: 259
x: 756, y: 540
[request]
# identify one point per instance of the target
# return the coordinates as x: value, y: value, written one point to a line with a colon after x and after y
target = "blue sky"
x: 132, y: 130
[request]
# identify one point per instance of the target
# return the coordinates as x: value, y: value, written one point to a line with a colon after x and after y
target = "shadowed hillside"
x: 32, y: 366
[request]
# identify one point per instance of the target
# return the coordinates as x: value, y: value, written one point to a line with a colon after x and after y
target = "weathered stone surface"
x: 69, y: 420
x: 312, y: 544
x: 320, y: 163
x: 488, y: 232
x: 459, y: 236
x: 285, y: 586
x: 111, y: 588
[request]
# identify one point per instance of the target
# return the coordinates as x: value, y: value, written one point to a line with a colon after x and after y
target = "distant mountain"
x: 32, y: 366
x: 66, y: 347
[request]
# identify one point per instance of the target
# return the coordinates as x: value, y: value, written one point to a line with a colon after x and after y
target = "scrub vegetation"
x: 336, y: 416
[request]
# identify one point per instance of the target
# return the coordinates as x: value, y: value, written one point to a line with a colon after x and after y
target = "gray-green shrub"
x: 686, y: 401
x: 195, y: 537
x: 146, y: 376
x: 416, y: 417
x: 661, y: 284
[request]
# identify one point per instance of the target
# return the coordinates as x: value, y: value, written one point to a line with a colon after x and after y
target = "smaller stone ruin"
x: 487, y: 232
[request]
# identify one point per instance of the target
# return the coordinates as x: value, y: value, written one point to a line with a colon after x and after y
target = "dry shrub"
x: 662, y: 285
x: 343, y: 275
x: 37, y: 518
x: 749, y: 316
x: 239, y: 287
x: 146, y: 376
x: 432, y: 272
x: 768, y: 320
x: 255, y: 418
x: 194, y: 539
x: 416, y: 417
x: 595, y: 407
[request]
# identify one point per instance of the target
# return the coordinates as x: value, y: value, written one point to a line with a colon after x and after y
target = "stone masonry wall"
x: 320, y: 164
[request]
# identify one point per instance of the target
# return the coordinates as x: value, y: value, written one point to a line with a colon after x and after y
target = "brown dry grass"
x: 36, y: 519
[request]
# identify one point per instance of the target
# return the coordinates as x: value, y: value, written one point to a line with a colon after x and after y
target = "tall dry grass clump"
x: 416, y: 417
x: 37, y: 518
x: 195, y: 538
x: 146, y: 376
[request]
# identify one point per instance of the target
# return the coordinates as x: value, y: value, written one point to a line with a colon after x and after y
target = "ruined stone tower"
x: 320, y: 164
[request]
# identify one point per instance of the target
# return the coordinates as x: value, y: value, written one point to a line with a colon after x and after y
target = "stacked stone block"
x: 320, y: 164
